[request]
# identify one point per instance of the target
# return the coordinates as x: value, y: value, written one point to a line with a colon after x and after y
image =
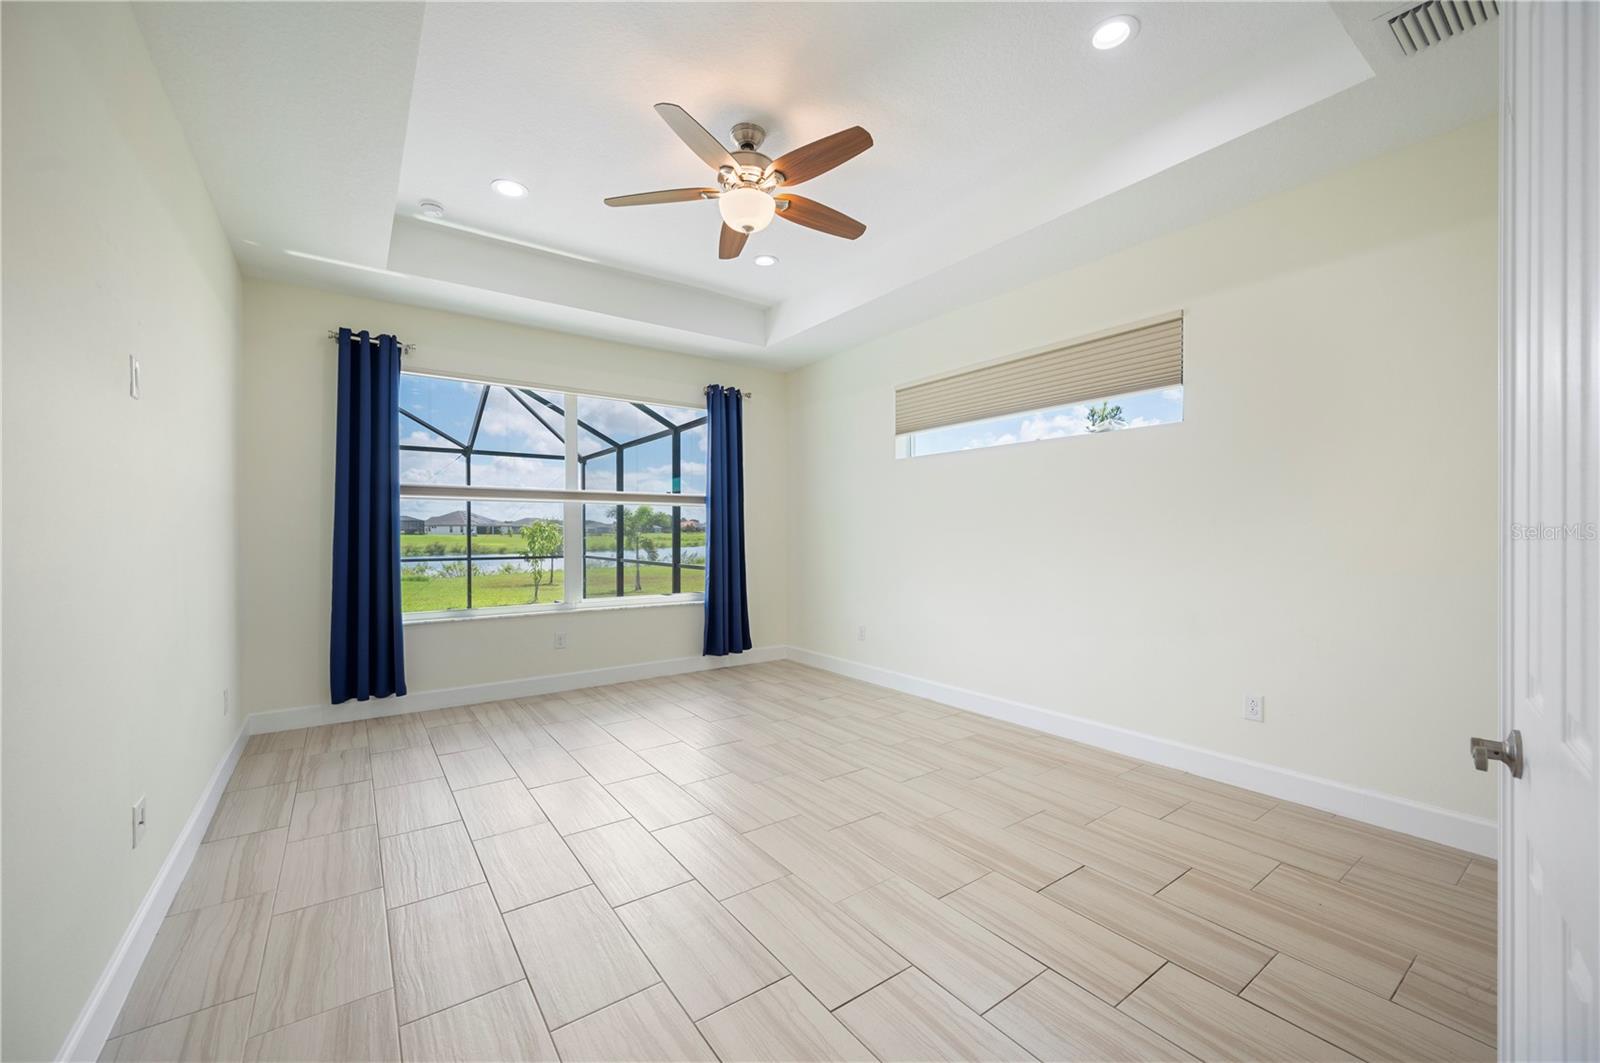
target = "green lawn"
x: 423, y: 594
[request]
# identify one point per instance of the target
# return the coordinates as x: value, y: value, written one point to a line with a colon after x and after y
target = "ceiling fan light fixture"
x: 1115, y: 31
x: 509, y: 188
x: 746, y: 209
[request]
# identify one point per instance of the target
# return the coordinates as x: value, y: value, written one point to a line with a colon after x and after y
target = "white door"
x: 1550, y: 439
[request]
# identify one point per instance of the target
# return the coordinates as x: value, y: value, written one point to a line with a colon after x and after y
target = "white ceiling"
x: 1005, y: 145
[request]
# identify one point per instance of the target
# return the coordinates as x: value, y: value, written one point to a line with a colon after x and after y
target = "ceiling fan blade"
x: 731, y: 243
x: 666, y: 195
x: 820, y: 156
x: 692, y: 133
x: 814, y: 215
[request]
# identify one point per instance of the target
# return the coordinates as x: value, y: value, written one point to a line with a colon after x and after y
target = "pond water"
x: 692, y: 555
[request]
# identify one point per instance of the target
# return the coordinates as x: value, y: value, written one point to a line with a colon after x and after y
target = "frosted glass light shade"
x: 747, y: 210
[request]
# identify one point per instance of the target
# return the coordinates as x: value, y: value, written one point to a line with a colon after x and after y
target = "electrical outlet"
x: 561, y: 640
x: 138, y: 822
x: 133, y: 377
x: 861, y: 633
x: 1255, y: 707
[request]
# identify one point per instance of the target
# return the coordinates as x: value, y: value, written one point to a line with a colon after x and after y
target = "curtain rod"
x: 405, y: 348
x: 742, y: 393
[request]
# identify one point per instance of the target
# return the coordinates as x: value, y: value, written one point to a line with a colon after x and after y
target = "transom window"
x: 505, y: 490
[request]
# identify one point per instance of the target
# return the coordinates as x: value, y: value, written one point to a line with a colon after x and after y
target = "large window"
x: 505, y: 490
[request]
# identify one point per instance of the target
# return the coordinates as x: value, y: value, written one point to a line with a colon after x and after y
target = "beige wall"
x: 119, y: 515
x: 287, y: 496
x: 1320, y: 529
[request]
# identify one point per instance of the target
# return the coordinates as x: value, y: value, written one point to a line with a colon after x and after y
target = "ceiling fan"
x: 752, y: 189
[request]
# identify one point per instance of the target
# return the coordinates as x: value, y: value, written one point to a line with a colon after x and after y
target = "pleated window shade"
x: 1136, y: 359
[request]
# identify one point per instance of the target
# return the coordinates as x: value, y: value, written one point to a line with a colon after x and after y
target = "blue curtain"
x: 727, y: 610
x: 366, y: 655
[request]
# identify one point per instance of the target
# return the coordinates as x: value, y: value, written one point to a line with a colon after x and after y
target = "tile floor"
x: 776, y: 863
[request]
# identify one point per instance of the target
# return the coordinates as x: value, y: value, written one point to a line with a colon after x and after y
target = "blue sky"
x: 1139, y: 410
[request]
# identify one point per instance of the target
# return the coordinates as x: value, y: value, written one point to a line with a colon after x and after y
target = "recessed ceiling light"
x: 1115, y: 31
x: 766, y: 260
x: 509, y: 188
x: 431, y: 208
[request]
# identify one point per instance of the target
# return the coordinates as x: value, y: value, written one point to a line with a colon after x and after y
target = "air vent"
x: 1437, y: 21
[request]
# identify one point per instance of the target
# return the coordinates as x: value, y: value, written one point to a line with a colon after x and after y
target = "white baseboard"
x: 88, y: 1034
x: 449, y: 697
x: 1421, y: 820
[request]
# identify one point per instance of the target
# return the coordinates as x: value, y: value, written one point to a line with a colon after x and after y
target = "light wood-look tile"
x: 414, y: 806
x: 498, y: 807
x: 475, y: 767
x: 199, y: 958
x: 827, y: 861
x: 330, y: 809
x: 781, y: 1024
x: 457, y: 737
x: 1287, y: 929
x: 265, y: 769
x: 395, y: 732
x: 707, y: 958
x: 579, y: 804
x: 1212, y: 1023
x: 626, y: 862
x: 889, y: 798
x: 321, y: 957
x: 1027, y: 862
x: 832, y: 955
x: 656, y: 801
x: 646, y: 1026
x: 273, y: 741
x: 251, y: 811
x: 529, y: 865
x: 215, y: 1033
x: 396, y: 767
x: 1360, y: 1022
x: 502, y: 1025
x: 361, y: 1030
x: 1434, y: 990
x: 541, y: 766
x: 612, y: 762
x: 1128, y: 864
x: 1071, y: 807
x: 578, y: 955
x: 1242, y: 832
x: 1055, y: 1019
x: 1409, y: 856
x: 888, y: 761
x: 1199, y: 945
x: 1114, y: 790
x: 1101, y: 960
x: 640, y: 734
x: 576, y: 734
x: 333, y: 737
x: 1465, y: 904
x: 1219, y: 859
x: 979, y: 800
x: 911, y: 1019
x: 449, y: 949
x: 717, y: 855
x: 229, y: 869
x: 425, y: 863
x: 1483, y: 877
x: 327, y: 867
x: 681, y: 763
x: 743, y: 804
x: 335, y: 768
x: 975, y: 964
x: 911, y: 854
x: 1193, y: 790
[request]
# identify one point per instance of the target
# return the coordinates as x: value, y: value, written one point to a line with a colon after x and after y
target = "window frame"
x: 574, y: 497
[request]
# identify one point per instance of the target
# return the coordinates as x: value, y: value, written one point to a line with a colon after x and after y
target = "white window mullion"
x: 572, y: 549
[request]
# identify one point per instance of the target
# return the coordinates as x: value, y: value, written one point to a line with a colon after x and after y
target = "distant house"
x: 691, y: 525
x: 411, y: 525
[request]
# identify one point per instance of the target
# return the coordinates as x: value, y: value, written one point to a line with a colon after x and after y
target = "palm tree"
x: 1105, y: 416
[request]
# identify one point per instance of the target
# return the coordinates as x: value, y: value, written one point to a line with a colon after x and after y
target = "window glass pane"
x: 692, y: 537
x: 414, y: 434
x: 448, y: 405
x: 599, y: 551
x: 1139, y: 410
x: 599, y: 473
x: 694, y: 460
x: 516, y: 554
x: 432, y: 467
x: 503, y: 471
x: 509, y: 425
x: 648, y: 466
x: 433, y: 555
x: 646, y: 550
x: 615, y: 419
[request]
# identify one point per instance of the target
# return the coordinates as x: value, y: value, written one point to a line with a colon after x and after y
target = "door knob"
x: 1508, y: 753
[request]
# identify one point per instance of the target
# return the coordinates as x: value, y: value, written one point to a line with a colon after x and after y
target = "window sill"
x: 602, y: 605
